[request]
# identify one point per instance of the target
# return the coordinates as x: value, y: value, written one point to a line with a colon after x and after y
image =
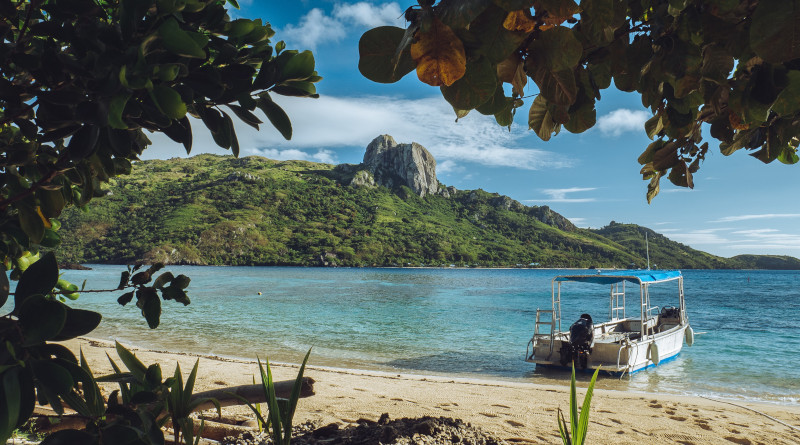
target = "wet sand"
x: 516, y: 412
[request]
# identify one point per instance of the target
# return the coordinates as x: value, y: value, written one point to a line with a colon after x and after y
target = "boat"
x: 622, y: 345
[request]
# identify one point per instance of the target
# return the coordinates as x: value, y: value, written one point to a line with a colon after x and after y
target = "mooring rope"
x: 753, y: 410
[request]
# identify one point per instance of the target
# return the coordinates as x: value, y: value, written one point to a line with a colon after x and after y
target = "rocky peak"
x: 394, y: 165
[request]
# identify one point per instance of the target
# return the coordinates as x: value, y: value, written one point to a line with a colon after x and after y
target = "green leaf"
x: 163, y: 279
x: 115, y: 110
x: 299, y: 67
x: 496, y: 104
x: 773, y: 32
x: 39, y: 278
x: 582, y: 119
x: 558, y: 87
x: 10, y: 402
x: 169, y: 102
x: 583, y: 421
x: 245, y: 116
x: 83, y: 142
x: 460, y: 13
x: 240, y: 27
x: 137, y: 368
x: 78, y: 322
x: 41, y: 319
x: 496, y: 42
x: 476, y: 87
x: 540, y: 120
x: 514, y: 5
x: 559, y: 8
x: 125, y: 298
x: 152, y: 376
x: 789, y: 156
x: 151, y: 309
x: 123, y: 279
x: 557, y: 49
x: 653, y: 126
x: 69, y: 437
x: 4, y: 287
x: 377, y: 49
x: 277, y: 117
x: 51, y: 202
x: 181, y: 281
x: 788, y: 101
x: 295, y: 396
x: 31, y: 223
x: 178, y: 41
x: 597, y: 20
x: 52, y: 376
x: 232, y: 131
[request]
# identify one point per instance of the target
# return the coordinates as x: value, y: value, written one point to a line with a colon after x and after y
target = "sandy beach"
x: 516, y: 412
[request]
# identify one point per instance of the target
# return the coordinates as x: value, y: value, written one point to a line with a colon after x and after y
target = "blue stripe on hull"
x: 613, y: 373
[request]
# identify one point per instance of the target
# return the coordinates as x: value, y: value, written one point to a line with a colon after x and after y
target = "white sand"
x: 516, y: 412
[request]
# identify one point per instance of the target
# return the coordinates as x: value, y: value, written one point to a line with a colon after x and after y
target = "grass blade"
x: 583, y: 421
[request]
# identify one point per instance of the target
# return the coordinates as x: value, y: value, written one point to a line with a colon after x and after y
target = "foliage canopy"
x: 731, y: 64
x: 80, y: 82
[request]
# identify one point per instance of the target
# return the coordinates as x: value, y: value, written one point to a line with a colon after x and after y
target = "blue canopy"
x: 616, y: 276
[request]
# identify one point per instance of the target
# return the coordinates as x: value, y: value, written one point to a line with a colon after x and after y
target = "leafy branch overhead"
x: 80, y: 81
x: 733, y: 65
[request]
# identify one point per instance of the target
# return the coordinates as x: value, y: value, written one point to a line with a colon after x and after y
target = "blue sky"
x: 739, y: 205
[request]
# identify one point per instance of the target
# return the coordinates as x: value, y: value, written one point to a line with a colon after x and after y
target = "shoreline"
x: 515, y: 411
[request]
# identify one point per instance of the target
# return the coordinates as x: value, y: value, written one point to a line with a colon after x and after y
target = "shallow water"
x: 457, y: 322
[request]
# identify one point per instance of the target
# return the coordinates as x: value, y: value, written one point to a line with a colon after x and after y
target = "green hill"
x: 254, y: 211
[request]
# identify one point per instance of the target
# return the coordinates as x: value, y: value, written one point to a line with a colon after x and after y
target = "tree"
x: 731, y: 64
x: 80, y: 81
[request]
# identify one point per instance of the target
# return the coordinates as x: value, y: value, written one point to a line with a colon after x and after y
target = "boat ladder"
x: 617, y: 307
x: 542, y: 322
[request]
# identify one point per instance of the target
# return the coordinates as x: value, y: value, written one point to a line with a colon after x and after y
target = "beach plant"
x: 180, y: 405
x: 147, y: 404
x: 281, y: 411
x: 578, y: 423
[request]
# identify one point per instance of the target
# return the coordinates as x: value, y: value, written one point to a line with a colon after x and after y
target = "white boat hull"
x: 612, y: 352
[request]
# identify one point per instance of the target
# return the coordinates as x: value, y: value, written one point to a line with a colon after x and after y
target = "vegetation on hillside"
x: 220, y: 210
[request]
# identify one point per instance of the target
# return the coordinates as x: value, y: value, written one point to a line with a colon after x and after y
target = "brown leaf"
x: 736, y: 121
x: 439, y: 54
x: 519, y: 21
x: 551, y: 21
x: 512, y: 70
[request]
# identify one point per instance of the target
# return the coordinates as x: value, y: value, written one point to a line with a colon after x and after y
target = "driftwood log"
x: 251, y: 393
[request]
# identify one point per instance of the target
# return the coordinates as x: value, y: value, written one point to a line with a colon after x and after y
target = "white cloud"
x: 560, y: 195
x: 578, y: 221
x: 699, y: 237
x: 316, y: 27
x: 369, y: 15
x: 352, y: 122
x: 324, y: 156
x: 448, y: 166
x: 313, y: 27
x: 757, y: 216
x: 621, y: 121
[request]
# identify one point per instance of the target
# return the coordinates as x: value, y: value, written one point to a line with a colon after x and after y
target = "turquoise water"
x: 456, y: 322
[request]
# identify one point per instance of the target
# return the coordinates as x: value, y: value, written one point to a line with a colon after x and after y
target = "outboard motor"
x: 581, y: 336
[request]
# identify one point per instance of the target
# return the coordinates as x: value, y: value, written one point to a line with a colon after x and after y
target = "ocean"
x: 471, y: 323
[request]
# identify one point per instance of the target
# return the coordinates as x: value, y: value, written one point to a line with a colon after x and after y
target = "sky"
x: 738, y: 205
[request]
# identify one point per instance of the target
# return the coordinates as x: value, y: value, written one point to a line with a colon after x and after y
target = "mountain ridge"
x: 211, y: 209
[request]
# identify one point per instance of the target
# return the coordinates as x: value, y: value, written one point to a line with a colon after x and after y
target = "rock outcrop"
x: 546, y: 215
x: 394, y: 165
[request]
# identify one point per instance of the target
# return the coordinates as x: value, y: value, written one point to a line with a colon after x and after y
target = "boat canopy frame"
x: 617, y: 279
